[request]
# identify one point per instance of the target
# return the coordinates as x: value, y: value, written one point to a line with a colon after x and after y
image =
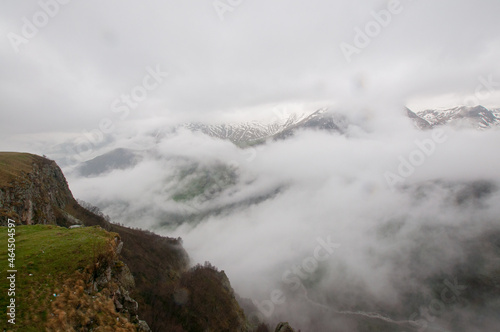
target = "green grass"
x: 45, y: 257
x: 194, y: 188
x: 204, y: 181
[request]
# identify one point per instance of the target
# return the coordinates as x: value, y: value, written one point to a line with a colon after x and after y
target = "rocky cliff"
x: 33, y: 190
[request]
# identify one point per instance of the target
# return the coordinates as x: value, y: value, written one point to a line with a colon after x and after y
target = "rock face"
x: 33, y: 190
x: 284, y: 327
x: 418, y: 121
x: 115, y: 277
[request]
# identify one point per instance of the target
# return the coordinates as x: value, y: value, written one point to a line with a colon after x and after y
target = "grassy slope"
x: 45, y: 257
x: 13, y: 164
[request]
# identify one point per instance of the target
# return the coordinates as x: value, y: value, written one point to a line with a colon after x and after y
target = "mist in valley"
x: 351, y: 239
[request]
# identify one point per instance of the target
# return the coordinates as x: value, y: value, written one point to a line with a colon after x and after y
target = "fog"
x: 63, y: 76
x: 386, y: 240
x: 326, y: 230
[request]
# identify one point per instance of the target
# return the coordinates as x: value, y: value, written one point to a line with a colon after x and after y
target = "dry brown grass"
x: 77, y: 310
x: 13, y: 165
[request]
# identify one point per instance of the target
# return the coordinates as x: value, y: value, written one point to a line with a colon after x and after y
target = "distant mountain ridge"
x: 254, y: 132
x: 477, y: 117
x: 250, y: 133
x: 246, y: 132
x: 120, y: 158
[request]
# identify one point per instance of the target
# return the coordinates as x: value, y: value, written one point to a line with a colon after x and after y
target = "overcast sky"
x: 237, y: 59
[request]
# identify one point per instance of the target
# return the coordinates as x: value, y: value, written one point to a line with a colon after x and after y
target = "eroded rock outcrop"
x: 284, y: 327
x: 33, y: 190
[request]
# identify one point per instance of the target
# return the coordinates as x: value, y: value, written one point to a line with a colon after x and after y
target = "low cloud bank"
x: 388, y: 246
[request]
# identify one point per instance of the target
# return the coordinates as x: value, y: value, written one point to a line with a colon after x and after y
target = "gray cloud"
x: 66, y: 77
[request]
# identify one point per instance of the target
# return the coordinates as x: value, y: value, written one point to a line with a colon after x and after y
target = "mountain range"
x: 102, y: 159
x: 250, y: 133
x: 254, y: 133
x: 477, y: 117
